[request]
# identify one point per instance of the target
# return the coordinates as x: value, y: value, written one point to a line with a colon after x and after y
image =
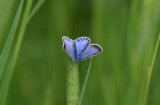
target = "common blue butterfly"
x: 81, y: 48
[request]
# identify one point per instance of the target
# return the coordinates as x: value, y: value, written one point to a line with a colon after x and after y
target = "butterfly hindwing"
x: 68, y: 46
x: 90, y: 51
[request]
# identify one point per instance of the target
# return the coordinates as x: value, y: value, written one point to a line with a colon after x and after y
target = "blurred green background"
x: 127, y: 30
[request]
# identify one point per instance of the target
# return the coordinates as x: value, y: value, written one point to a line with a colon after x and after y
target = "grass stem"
x: 72, y: 91
x: 12, y: 60
x: 151, y: 69
x: 84, y: 85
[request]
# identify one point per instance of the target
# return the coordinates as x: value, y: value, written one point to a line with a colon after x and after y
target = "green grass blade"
x: 3, y: 89
x: 151, y: 69
x: 35, y: 9
x: 12, y: 61
x: 84, y: 84
x: 9, y: 41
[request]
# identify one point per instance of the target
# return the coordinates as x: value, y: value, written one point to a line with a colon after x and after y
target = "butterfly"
x: 80, y: 48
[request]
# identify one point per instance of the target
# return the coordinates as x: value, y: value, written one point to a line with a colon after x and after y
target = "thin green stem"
x: 151, y: 69
x: 84, y: 84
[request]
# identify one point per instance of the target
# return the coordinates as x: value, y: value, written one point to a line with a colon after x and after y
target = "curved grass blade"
x: 84, y: 85
x: 9, y: 41
x: 35, y: 9
x: 12, y: 61
x: 14, y: 54
x: 151, y: 69
x: 5, y: 83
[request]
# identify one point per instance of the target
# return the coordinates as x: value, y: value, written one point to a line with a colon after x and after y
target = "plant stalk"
x: 72, y: 90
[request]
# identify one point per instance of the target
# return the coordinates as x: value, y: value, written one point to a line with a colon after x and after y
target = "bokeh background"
x: 127, y: 30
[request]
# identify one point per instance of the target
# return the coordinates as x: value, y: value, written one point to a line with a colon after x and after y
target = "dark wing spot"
x: 64, y: 47
x: 99, y: 49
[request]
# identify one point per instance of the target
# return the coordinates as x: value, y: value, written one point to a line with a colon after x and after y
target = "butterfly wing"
x: 90, y: 51
x: 81, y: 44
x: 68, y: 46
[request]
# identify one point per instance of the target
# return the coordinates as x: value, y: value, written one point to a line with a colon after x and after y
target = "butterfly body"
x: 80, y: 49
x: 75, y: 57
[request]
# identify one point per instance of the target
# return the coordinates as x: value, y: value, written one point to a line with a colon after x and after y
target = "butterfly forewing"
x: 81, y: 44
x: 90, y: 51
x: 68, y: 46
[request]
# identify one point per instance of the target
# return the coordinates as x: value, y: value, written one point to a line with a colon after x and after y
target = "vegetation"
x: 34, y: 67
